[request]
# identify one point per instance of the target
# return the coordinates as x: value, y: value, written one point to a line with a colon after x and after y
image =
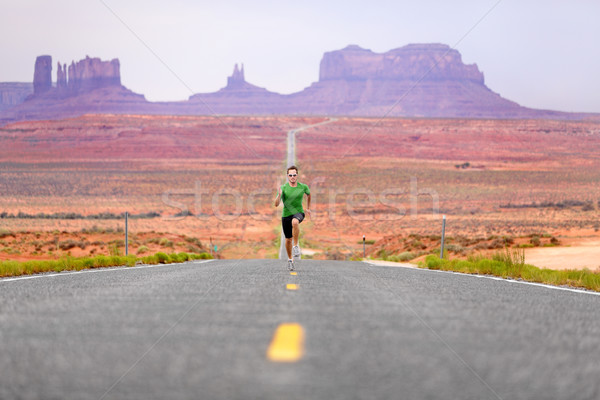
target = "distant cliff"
x: 430, y: 62
x: 87, y: 86
x: 417, y: 80
x: 14, y: 93
x: 87, y: 75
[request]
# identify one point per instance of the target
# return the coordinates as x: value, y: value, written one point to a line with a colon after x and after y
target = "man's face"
x: 292, y: 176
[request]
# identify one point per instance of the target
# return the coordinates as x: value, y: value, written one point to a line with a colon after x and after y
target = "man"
x: 292, y: 194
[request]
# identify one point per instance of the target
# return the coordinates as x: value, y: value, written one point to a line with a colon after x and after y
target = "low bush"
x: 162, y: 258
x: 142, y: 249
x: 511, y: 264
x: 68, y: 263
x: 403, y: 257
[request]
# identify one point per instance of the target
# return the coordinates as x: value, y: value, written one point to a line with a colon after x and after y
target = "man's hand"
x: 278, y: 198
x: 308, y: 213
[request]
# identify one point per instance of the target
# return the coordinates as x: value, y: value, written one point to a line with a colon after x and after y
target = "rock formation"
x: 423, y: 80
x: 81, y: 77
x: 61, y: 77
x: 238, y: 97
x: 417, y: 80
x: 237, y: 79
x: 42, y: 75
x: 90, y: 85
x: 14, y: 93
x: 92, y: 73
x: 415, y: 62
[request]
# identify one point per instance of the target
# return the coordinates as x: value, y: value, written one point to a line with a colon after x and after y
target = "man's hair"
x: 292, y: 167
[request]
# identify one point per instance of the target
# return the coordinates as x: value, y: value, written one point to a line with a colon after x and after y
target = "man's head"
x: 292, y: 173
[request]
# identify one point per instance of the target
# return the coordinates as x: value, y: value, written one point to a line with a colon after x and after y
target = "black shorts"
x: 286, y: 224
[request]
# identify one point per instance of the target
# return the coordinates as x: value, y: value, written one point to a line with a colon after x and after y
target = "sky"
x: 539, y: 53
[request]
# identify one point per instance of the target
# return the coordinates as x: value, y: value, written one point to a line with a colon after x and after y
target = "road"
x: 203, y: 330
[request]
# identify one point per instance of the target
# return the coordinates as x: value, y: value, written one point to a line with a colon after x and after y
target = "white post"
x: 126, y: 234
x: 364, y: 249
x: 443, y: 236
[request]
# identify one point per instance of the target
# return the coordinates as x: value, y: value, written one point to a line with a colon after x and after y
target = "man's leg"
x: 288, y: 247
x: 295, y: 230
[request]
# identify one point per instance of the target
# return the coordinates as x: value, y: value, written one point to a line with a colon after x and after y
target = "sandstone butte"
x: 417, y: 80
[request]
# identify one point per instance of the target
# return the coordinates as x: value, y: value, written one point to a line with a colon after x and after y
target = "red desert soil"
x: 376, y: 177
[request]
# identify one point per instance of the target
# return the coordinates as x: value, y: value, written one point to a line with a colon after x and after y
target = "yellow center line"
x: 293, y: 273
x: 287, y: 344
x: 291, y: 286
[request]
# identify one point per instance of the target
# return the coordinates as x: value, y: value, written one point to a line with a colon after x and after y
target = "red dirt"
x: 111, y: 163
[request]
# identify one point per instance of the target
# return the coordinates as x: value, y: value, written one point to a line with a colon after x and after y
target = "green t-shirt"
x: 292, y: 198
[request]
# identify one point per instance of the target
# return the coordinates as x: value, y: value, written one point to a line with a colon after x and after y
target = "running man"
x: 292, y: 194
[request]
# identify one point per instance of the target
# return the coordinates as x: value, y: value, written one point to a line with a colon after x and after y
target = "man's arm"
x: 308, y: 204
x: 278, y: 198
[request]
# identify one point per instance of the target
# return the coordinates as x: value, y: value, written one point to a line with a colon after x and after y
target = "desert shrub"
x: 202, y: 256
x: 486, y: 266
x: 481, y: 246
x: 433, y: 262
x: 143, y: 250
x: 174, y: 258
x: 193, y: 241
x: 67, y: 244
x: 183, y: 257
x: 455, y: 248
x: 406, y: 256
x: 417, y: 244
x: 153, y: 259
x: 130, y: 260
x: 588, y: 207
x: 383, y: 254
x: 101, y: 261
x: 508, y: 240
x: 511, y: 264
x: 114, y: 250
x: 535, y: 240
x: 496, y: 244
x: 162, y: 258
x: 4, y: 233
x: 193, y: 248
x: 164, y: 242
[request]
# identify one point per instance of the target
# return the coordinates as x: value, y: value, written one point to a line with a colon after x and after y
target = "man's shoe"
x: 291, y: 265
x: 296, y: 251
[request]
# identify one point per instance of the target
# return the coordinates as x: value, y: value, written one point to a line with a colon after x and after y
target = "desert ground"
x: 200, y: 182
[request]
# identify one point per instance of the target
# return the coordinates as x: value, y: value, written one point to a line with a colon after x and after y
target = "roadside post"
x: 443, y: 237
x: 364, y: 248
x: 126, y: 233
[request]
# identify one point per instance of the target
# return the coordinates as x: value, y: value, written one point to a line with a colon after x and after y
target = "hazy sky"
x: 539, y: 53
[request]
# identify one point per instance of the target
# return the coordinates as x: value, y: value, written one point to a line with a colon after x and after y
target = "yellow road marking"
x: 293, y: 273
x: 287, y: 344
x: 291, y: 286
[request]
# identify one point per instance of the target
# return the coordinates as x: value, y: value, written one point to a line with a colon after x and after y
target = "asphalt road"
x: 203, y: 330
